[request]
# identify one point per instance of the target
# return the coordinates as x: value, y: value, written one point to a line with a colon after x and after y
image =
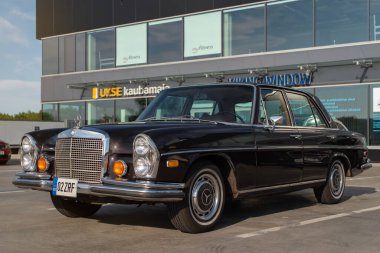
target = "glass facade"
x: 165, y: 43
x: 50, y: 56
x: 340, y: 22
x: 128, y: 110
x: 264, y: 27
x: 50, y: 112
x: 374, y: 125
x: 101, y: 49
x: 375, y: 20
x: 348, y: 104
x: 244, y: 30
x: 100, y: 112
x: 67, y: 112
x: 289, y: 24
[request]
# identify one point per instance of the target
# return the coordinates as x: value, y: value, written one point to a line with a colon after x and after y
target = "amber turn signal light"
x: 172, y: 163
x: 42, y: 164
x: 119, y: 168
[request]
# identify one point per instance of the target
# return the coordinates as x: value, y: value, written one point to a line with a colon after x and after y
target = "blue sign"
x: 284, y: 80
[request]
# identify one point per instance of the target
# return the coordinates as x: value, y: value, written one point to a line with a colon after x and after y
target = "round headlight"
x: 28, y: 154
x: 26, y: 145
x: 141, y: 146
x: 27, y: 162
x: 142, y: 167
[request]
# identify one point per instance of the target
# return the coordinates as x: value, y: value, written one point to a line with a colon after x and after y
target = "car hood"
x: 169, y: 136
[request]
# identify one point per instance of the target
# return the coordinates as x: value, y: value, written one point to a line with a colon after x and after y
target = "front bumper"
x: 143, y: 191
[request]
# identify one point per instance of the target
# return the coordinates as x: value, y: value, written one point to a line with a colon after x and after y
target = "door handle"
x: 296, y: 136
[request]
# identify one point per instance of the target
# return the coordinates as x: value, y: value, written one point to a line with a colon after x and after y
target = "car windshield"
x: 224, y: 103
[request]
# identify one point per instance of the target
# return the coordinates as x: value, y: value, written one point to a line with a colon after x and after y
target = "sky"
x: 20, y: 57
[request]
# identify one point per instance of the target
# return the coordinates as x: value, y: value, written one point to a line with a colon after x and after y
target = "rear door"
x: 315, y: 135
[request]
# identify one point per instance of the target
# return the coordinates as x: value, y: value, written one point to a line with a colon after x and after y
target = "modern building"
x: 106, y: 59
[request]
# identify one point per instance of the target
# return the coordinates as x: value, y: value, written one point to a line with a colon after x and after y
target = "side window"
x: 320, y: 122
x: 275, y: 107
x: 303, y: 113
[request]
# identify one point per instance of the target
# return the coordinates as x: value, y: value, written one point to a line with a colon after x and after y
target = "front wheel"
x: 203, y: 204
x: 332, y: 191
x: 73, y: 208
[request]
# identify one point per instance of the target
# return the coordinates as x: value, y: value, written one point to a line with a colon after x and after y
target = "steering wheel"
x: 234, y: 114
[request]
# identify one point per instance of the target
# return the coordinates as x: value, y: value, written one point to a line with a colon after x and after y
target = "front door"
x: 279, y: 144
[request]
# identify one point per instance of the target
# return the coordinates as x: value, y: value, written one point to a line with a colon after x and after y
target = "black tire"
x: 204, y: 200
x: 74, y: 208
x: 3, y: 162
x: 332, y: 191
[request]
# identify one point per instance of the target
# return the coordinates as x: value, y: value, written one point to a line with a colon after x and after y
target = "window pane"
x: 50, y: 112
x: 165, y: 41
x: 244, y: 30
x: 68, y: 112
x: 304, y: 114
x: 100, y: 112
x: 275, y: 106
x: 375, y: 19
x: 290, y: 24
x: 61, y: 54
x: 69, y: 53
x: 171, y: 106
x: 101, y: 49
x: 80, y: 53
x: 203, y: 35
x: 131, y: 45
x: 128, y: 110
x: 374, y: 134
x: 340, y: 22
x: 348, y: 104
x: 50, y: 56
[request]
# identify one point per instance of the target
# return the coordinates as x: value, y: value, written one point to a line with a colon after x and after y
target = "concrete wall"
x: 12, y: 131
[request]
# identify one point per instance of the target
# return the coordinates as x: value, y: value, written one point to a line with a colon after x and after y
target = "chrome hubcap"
x: 205, y: 197
x: 336, y: 180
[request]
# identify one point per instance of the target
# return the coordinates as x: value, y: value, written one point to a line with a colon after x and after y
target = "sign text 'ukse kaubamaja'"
x: 117, y: 92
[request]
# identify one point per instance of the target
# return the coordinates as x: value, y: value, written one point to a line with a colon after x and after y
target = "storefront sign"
x: 117, y: 92
x: 285, y: 80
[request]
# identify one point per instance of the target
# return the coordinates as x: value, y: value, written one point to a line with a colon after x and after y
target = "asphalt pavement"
x: 292, y: 222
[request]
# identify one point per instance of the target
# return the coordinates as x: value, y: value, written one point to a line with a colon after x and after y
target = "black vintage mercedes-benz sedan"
x: 194, y: 148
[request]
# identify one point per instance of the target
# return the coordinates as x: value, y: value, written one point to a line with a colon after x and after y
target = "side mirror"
x: 276, y: 120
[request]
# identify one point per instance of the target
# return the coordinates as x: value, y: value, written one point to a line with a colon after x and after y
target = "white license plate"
x: 2, y: 153
x: 65, y: 187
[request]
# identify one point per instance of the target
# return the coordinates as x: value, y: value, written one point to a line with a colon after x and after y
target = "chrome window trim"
x: 281, y: 186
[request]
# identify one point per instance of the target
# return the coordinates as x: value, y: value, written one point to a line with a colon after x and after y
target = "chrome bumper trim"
x: 137, y: 191
x: 366, y: 166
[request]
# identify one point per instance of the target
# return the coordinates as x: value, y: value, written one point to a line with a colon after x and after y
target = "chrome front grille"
x: 79, y: 158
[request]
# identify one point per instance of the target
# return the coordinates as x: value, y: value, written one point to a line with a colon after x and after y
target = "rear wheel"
x: 203, y: 204
x: 332, y: 191
x: 73, y: 208
x: 3, y: 162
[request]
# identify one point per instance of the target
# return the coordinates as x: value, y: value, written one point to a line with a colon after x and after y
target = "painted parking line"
x: 10, y: 170
x: 361, y: 178
x: 307, y: 222
x: 9, y: 192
